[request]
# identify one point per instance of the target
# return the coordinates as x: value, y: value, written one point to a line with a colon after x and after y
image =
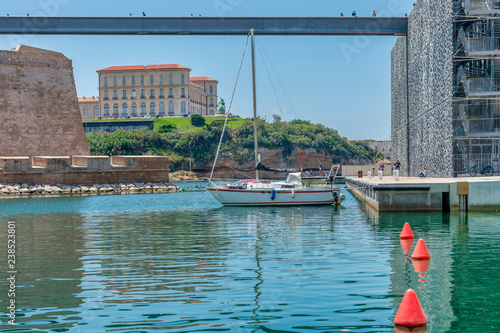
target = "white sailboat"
x: 256, y: 192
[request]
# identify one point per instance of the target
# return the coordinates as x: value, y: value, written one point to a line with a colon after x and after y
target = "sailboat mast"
x: 254, y: 106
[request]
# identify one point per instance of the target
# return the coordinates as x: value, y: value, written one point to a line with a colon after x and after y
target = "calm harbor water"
x: 179, y: 262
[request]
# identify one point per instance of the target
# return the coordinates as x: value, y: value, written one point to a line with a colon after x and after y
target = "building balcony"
x: 151, y: 97
x: 478, y: 86
x: 106, y: 98
x: 124, y: 98
x: 481, y: 7
x: 481, y: 46
x: 183, y: 96
x: 115, y: 98
x: 170, y: 96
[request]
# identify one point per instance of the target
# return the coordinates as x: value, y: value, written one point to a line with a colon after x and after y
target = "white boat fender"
x: 273, y: 194
x: 293, y: 193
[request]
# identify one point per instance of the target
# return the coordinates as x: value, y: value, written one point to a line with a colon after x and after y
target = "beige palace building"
x: 89, y: 107
x: 155, y: 91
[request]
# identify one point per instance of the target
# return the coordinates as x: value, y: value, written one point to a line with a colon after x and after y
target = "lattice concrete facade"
x: 421, y: 69
x: 39, y: 112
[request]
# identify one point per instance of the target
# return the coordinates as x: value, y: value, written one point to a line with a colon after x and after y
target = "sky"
x: 342, y: 82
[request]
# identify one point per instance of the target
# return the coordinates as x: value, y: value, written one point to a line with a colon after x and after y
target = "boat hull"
x: 259, y: 197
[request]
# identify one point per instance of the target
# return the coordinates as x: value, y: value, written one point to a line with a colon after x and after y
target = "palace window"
x: 105, y: 80
x: 115, y: 110
x: 170, y: 93
x: 134, y: 95
x: 152, y: 110
x: 161, y: 79
x: 151, y: 79
x: 106, y: 110
x: 106, y: 94
x: 96, y: 110
x: 142, y: 79
x: 133, y: 79
x: 171, y: 108
x: 124, y: 80
x: 212, y: 112
x: 152, y: 93
x: 211, y: 102
x: 143, y: 109
x: 143, y: 93
x: 134, y: 109
x: 211, y: 90
x: 170, y: 78
x: 183, y: 95
x: 86, y: 111
x: 115, y: 94
x: 124, y: 96
x: 182, y: 78
x: 162, y: 109
x: 161, y: 93
x: 125, y: 110
x: 183, y: 107
x: 114, y: 80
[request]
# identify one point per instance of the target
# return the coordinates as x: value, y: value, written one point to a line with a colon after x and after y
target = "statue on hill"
x: 221, y: 107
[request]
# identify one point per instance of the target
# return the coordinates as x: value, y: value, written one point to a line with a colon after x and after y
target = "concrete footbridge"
x: 305, y: 26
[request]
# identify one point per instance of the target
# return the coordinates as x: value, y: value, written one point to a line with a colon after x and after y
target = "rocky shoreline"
x: 25, y: 189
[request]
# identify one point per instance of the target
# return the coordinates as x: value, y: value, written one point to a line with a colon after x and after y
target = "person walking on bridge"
x: 353, y: 14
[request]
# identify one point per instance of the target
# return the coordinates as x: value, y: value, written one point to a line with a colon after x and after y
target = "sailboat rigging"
x: 257, y: 192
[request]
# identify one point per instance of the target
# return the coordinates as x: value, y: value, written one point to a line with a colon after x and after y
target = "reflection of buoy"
x: 421, y: 266
x: 421, y: 251
x: 421, y: 329
x: 410, y: 312
x: 406, y: 232
x: 406, y: 244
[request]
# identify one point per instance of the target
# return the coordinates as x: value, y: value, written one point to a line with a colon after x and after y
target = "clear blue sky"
x: 347, y: 92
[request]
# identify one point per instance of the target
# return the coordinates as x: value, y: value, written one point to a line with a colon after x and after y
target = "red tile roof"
x: 141, y: 67
x: 88, y: 99
x: 201, y: 78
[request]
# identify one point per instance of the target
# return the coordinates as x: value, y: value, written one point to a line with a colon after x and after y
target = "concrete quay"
x: 427, y: 194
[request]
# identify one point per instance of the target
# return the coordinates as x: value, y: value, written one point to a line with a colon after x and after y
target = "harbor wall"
x: 84, y: 170
x: 421, y: 91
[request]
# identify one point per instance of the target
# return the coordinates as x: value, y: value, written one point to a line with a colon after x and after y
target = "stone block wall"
x: 428, y: 143
x: 83, y: 170
x: 39, y: 112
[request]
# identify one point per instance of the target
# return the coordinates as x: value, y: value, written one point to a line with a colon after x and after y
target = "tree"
x: 167, y: 128
x: 197, y: 120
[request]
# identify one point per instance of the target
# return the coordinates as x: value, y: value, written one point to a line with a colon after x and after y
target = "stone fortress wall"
x: 421, y: 84
x: 84, y: 170
x: 37, y: 85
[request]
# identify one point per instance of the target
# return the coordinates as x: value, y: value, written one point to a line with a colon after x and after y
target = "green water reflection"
x: 181, y: 263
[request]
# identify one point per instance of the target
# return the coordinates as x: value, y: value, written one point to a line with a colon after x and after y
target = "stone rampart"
x: 39, y: 112
x: 83, y: 170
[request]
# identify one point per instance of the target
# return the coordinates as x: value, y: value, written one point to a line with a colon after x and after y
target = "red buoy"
x: 406, y: 232
x: 420, y: 252
x: 410, y: 312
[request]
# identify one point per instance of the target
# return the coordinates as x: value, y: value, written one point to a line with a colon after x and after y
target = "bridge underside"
x: 333, y: 26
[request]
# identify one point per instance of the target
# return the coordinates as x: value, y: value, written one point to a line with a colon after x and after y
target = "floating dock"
x: 427, y: 194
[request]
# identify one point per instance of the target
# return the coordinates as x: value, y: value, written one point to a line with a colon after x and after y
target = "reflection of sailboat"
x: 256, y: 192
